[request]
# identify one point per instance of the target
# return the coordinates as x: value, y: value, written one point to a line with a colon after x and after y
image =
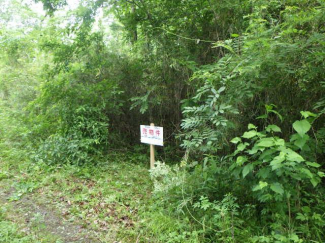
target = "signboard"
x: 152, y: 135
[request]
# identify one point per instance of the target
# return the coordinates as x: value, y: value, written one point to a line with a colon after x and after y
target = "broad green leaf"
x: 294, y: 137
x: 241, y: 160
x: 294, y: 238
x: 293, y: 156
x: 277, y: 187
x: 263, y: 184
x: 266, y: 142
x: 307, y: 114
x: 313, y: 164
x: 273, y: 128
x: 251, y: 126
x: 235, y: 140
x: 279, y: 142
x: 260, y: 186
x: 301, y: 127
x: 241, y: 146
x: 254, y: 150
x: 264, y: 173
x: 250, y: 134
x: 315, y: 181
x: 301, y: 141
x: 267, y: 154
x: 276, y: 162
x: 221, y: 89
x: 256, y: 188
x: 307, y: 172
x: 248, y: 168
x: 321, y: 174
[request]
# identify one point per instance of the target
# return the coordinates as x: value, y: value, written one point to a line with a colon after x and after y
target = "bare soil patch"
x: 44, y: 220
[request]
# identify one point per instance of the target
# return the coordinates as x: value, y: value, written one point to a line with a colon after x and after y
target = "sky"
x: 25, y: 21
x: 38, y: 7
x: 13, y: 18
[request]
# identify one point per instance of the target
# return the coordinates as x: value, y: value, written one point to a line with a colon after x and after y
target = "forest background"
x: 239, y: 87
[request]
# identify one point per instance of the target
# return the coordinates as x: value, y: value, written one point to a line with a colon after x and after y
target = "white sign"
x: 152, y: 135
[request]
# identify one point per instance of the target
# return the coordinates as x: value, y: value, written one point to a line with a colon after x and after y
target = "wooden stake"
x: 152, y: 153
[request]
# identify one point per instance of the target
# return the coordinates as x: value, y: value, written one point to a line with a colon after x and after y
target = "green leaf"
x: 279, y: 142
x: 248, y: 168
x: 221, y: 89
x: 301, y: 141
x: 294, y: 238
x: 321, y: 174
x: 277, y: 113
x: 241, y: 146
x: 294, y: 137
x: 301, y: 217
x: 264, y: 173
x: 260, y: 186
x: 251, y: 126
x: 307, y: 172
x: 256, y: 188
x: 276, y: 162
x: 254, y: 150
x: 235, y: 140
x: 263, y: 184
x: 307, y: 114
x: 262, y: 117
x: 267, y: 155
x: 301, y: 127
x: 221, y: 44
x: 250, y: 134
x: 293, y: 156
x: 306, y: 209
x: 241, y: 160
x: 266, y: 142
x: 277, y: 187
x: 315, y: 181
x: 313, y: 164
x: 273, y: 128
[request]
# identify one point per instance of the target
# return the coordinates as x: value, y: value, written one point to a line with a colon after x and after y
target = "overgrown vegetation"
x: 237, y: 85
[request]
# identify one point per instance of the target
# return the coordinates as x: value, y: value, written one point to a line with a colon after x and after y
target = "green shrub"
x: 82, y: 140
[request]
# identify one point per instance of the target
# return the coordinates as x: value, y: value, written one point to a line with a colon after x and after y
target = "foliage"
x: 75, y: 85
x: 261, y: 70
x: 274, y: 186
x: 207, y: 114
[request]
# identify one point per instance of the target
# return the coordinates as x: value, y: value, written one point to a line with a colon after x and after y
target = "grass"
x: 109, y: 201
x: 106, y: 199
x: 10, y: 232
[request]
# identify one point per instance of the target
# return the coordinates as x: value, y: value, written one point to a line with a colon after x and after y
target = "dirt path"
x: 76, y: 204
x: 43, y: 220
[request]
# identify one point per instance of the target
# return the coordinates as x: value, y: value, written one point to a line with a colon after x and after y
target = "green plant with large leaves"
x: 279, y: 171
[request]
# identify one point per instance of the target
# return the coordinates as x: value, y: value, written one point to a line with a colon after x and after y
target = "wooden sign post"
x: 154, y: 136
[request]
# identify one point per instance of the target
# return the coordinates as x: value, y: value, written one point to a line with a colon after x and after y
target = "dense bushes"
x: 267, y: 191
x: 271, y: 72
x: 205, y: 71
x: 84, y: 139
